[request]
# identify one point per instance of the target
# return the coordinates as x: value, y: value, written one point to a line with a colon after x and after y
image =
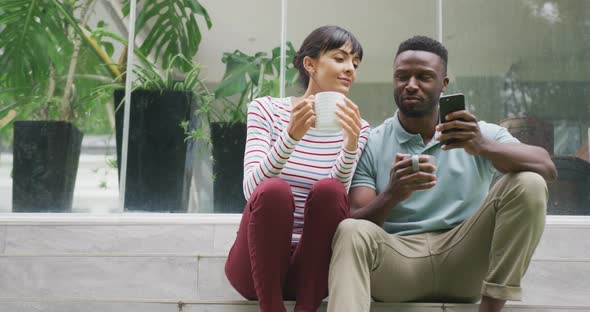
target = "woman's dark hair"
x: 321, y: 40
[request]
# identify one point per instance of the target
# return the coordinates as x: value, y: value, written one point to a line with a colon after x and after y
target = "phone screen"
x: 448, y: 104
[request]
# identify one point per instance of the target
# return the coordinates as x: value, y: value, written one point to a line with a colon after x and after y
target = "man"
x: 436, y: 235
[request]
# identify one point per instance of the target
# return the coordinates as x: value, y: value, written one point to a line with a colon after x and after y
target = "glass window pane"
x: 379, y: 26
x: 526, y: 65
x: 233, y: 54
x: 57, y: 116
x: 167, y: 87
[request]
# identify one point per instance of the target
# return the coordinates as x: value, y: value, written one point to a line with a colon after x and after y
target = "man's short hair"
x: 423, y: 43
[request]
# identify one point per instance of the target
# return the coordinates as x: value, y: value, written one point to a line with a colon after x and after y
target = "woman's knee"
x: 274, y: 195
x: 329, y: 194
x: 329, y: 186
x: 274, y: 185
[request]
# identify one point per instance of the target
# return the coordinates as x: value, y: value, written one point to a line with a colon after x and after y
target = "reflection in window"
x: 526, y: 65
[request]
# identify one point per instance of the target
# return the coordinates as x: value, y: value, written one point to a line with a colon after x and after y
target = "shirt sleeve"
x: 497, y: 133
x: 346, y: 162
x: 364, y: 174
x: 503, y: 136
x: 263, y: 160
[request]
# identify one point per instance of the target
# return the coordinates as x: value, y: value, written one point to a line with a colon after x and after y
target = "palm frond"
x: 26, y: 28
x: 177, y: 30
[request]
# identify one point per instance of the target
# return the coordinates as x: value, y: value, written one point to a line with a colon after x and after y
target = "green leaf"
x: 198, y: 9
x: 109, y: 48
x: 175, y: 31
x: 291, y: 76
x: 150, y: 10
x: 231, y: 85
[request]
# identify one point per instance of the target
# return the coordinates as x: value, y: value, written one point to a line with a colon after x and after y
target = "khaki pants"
x: 487, y: 254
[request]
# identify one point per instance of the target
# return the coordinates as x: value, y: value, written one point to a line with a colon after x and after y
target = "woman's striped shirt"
x: 271, y: 152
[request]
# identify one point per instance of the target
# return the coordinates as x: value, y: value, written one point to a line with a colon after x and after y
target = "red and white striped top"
x: 271, y: 152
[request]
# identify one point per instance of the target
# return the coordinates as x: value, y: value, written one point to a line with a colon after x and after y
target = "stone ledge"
x: 132, y: 218
x: 563, y: 283
x: 127, y: 218
x: 131, y: 305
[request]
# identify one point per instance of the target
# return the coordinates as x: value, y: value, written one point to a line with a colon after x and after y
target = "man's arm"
x: 366, y: 204
x: 506, y: 157
x: 516, y: 157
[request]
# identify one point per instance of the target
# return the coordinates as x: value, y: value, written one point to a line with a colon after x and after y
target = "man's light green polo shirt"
x: 463, y: 180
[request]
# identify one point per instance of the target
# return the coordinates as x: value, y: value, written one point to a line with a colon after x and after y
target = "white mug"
x: 416, y: 161
x: 325, y: 110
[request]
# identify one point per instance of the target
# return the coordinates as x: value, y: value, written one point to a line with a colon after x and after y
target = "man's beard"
x: 413, y: 111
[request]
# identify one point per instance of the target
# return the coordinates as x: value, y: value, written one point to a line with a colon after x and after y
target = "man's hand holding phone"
x: 458, y: 127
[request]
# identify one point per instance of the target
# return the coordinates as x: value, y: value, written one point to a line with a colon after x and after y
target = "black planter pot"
x: 228, y: 142
x: 569, y: 194
x: 46, y: 156
x: 159, y: 161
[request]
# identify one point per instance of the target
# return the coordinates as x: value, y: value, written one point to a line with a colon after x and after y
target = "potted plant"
x: 246, y: 77
x: 50, y: 89
x: 159, y: 165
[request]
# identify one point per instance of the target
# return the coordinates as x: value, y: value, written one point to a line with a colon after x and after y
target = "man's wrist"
x: 487, y: 148
x: 389, y: 197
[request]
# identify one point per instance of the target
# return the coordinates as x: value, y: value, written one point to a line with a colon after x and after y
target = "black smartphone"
x: 448, y: 104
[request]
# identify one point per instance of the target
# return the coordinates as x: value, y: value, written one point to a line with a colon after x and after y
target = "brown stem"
x: 50, y: 92
x: 123, y: 63
x: 67, y: 111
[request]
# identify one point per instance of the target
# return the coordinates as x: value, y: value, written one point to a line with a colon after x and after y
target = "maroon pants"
x: 262, y: 264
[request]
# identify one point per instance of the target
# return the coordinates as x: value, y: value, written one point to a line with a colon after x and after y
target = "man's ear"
x: 445, y: 83
x: 309, y: 64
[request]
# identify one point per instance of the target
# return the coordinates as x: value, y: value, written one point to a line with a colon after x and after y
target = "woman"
x: 296, y: 176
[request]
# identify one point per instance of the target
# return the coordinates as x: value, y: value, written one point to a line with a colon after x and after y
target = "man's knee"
x: 526, y: 198
x: 531, y: 181
x: 354, y: 233
x: 532, y: 190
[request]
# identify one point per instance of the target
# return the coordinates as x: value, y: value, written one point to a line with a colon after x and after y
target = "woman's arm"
x: 355, y: 135
x: 261, y: 159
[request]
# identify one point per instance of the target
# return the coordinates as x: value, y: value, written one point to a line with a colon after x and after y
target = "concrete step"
x: 243, y: 306
x: 200, y: 234
x: 177, y: 277
x: 133, y: 259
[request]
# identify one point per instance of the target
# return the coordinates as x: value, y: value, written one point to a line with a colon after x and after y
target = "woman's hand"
x: 350, y: 121
x: 302, y: 118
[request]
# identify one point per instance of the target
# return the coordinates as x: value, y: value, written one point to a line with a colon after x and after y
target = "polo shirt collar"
x: 402, y: 136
